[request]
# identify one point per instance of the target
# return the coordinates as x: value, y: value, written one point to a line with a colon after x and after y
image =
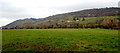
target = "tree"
x: 83, y: 19
x: 74, y: 18
x: 77, y: 19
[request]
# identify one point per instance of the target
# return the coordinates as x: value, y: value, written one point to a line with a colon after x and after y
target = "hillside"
x: 80, y: 19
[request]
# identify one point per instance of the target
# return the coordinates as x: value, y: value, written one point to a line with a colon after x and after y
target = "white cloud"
x: 4, y: 21
x: 17, y: 9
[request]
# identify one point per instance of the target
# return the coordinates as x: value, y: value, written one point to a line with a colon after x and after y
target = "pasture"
x: 60, y: 40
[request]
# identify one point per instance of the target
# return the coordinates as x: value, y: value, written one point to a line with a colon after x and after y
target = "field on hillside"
x: 60, y: 40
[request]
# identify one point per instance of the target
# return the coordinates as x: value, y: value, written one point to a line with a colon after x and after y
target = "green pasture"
x: 60, y: 40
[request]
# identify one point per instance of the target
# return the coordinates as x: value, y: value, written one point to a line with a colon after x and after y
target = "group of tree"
x: 82, y: 19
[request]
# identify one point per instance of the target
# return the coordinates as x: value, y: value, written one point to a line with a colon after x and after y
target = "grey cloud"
x: 119, y: 4
x: 86, y: 5
x: 7, y: 10
x: 11, y: 12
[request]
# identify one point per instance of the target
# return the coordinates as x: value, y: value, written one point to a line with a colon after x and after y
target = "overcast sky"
x: 11, y: 10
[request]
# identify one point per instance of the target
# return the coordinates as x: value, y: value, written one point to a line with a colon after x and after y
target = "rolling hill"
x: 89, y: 18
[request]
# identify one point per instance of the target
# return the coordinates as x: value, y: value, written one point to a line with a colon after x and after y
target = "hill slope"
x: 78, y: 19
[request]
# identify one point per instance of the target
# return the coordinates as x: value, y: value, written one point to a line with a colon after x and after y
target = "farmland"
x: 60, y: 40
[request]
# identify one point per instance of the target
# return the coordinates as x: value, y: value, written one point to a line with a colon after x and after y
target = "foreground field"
x: 60, y: 40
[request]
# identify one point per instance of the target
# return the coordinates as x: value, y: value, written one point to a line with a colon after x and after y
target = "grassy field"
x: 60, y: 40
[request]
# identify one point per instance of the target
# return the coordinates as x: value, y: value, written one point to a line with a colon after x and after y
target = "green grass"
x: 60, y: 40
